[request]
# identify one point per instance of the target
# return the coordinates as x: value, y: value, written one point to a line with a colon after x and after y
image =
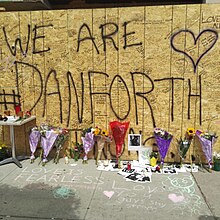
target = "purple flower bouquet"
x: 207, y: 140
x: 88, y: 142
x: 163, y: 139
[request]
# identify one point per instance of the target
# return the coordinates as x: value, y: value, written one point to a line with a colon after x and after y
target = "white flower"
x: 93, y: 129
x: 216, y: 156
x: 162, y: 133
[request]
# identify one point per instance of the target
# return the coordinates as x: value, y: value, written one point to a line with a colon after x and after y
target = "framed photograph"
x: 134, y: 142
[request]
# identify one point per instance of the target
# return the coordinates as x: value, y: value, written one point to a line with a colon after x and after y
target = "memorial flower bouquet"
x: 207, y: 140
x: 77, y: 150
x: 119, y: 130
x: 102, y: 137
x: 184, y: 143
x: 34, y: 138
x: 163, y: 139
x: 88, y: 141
x: 48, y: 136
x: 62, y: 137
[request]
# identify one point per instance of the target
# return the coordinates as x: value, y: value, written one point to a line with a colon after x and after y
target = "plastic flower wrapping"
x: 102, y: 137
x: 90, y: 136
x: 163, y: 139
x: 184, y: 143
x: 34, y: 138
x: 119, y: 130
x: 88, y: 141
x: 48, y: 136
x: 47, y: 142
x: 207, y: 140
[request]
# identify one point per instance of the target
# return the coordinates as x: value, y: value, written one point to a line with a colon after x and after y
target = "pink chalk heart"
x: 109, y: 194
x: 174, y: 198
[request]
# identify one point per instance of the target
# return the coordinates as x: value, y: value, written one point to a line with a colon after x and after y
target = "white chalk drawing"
x: 184, y: 184
x: 130, y: 197
x: 176, y: 193
x: 58, y: 176
x: 189, y: 203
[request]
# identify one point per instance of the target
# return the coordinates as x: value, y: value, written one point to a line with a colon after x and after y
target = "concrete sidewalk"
x: 78, y: 191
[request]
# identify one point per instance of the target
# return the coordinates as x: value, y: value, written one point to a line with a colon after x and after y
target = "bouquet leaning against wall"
x: 88, y: 141
x: 183, y: 144
x: 163, y: 139
x: 207, y: 141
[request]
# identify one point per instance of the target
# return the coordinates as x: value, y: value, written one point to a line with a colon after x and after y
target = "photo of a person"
x: 134, y: 141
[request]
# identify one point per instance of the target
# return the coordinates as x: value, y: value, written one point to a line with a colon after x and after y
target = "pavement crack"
x: 93, y: 193
x: 8, y: 174
x: 205, y: 199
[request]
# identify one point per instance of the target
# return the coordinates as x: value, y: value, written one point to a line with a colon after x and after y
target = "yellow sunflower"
x: 97, y: 131
x: 104, y: 133
x: 190, y: 131
x: 2, y: 145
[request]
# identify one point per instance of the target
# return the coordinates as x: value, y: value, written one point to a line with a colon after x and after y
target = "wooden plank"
x: 153, y: 66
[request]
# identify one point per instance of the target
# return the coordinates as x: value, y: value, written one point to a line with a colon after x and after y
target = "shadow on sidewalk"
x: 38, y: 201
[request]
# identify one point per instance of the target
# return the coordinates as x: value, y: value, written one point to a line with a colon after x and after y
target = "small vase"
x: 216, y: 165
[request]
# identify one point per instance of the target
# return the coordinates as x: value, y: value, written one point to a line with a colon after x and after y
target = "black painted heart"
x: 207, y: 37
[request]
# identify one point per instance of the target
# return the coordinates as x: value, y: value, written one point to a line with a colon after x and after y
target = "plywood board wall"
x: 153, y: 66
